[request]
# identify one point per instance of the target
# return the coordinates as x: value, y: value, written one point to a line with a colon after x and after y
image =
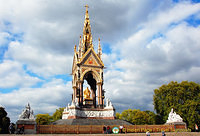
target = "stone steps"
x: 91, y: 122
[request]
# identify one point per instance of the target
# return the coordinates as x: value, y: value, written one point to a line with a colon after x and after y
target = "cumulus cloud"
x: 13, y: 75
x: 165, y: 48
x: 42, y: 100
x: 39, y: 61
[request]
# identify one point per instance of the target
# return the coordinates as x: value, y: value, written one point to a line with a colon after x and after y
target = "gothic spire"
x: 87, y: 35
x: 80, y: 48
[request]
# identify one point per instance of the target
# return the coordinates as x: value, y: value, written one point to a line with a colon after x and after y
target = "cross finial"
x: 86, y: 6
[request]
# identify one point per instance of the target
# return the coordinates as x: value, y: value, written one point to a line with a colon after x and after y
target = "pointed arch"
x: 94, y: 73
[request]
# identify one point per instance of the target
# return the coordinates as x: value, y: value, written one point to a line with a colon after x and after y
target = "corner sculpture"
x: 27, y: 113
x: 176, y: 120
x: 88, y: 67
x: 173, y: 117
x: 26, y: 121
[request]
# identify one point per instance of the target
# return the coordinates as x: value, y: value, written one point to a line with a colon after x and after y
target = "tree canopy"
x: 4, y: 121
x: 183, y: 97
x: 137, y: 116
x: 58, y: 114
x: 45, y: 119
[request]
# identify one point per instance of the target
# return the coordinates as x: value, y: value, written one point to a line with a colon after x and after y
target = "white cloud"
x: 156, y: 54
x: 13, y: 75
x: 46, y: 99
x: 39, y: 61
x: 3, y: 38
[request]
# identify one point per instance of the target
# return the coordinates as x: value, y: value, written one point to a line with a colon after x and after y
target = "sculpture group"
x: 27, y: 113
x: 173, y: 117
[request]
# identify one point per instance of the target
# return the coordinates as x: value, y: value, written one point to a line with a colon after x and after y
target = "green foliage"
x: 137, y: 117
x: 4, y: 121
x: 43, y: 119
x: 58, y: 114
x: 182, y: 97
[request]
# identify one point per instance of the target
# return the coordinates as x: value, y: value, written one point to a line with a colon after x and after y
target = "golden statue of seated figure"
x: 87, y: 93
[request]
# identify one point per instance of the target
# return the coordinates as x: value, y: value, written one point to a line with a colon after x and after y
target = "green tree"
x: 43, y: 119
x: 4, y: 121
x: 137, y: 117
x: 182, y: 97
x: 57, y: 114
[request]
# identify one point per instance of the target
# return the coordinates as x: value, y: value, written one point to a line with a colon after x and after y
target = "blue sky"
x: 145, y: 44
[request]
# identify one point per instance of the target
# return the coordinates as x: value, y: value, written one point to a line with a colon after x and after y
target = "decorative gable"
x: 90, y: 58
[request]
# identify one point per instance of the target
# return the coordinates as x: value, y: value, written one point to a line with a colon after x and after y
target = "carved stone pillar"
x: 80, y: 85
x: 93, y: 97
x: 74, y: 93
x: 99, y: 92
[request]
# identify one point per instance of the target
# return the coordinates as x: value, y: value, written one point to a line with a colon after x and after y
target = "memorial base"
x: 90, y: 113
x: 29, y: 126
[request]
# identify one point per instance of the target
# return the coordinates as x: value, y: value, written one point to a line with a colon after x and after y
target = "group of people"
x: 108, y: 129
x: 148, y: 133
x: 12, y: 129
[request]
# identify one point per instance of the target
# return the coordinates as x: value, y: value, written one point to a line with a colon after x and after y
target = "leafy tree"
x: 183, y: 97
x: 4, y: 121
x: 137, y: 117
x: 58, y: 114
x: 43, y: 119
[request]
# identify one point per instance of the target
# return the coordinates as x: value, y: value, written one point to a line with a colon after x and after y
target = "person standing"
x: 108, y: 129
x: 104, y: 129
x: 147, y: 133
x: 11, y: 128
x: 121, y: 128
x: 163, y: 133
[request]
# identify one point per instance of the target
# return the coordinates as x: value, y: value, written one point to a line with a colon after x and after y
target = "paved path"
x: 128, y: 134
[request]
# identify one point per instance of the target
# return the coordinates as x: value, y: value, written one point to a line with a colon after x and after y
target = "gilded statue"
x: 87, y: 93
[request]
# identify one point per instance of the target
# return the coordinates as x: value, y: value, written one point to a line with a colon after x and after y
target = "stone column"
x: 80, y: 85
x: 93, y: 97
x: 99, y: 91
x: 74, y: 93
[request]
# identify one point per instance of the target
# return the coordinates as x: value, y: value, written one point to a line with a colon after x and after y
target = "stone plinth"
x: 178, y: 125
x: 29, y: 126
x: 88, y: 103
x: 74, y: 111
x: 90, y: 113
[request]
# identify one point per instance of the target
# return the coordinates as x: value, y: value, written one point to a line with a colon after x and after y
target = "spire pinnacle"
x: 87, y: 35
x: 75, y: 48
x: 99, y: 49
x: 86, y: 12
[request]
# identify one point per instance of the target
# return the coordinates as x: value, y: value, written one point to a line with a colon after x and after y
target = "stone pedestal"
x: 88, y: 103
x: 178, y: 125
x: 90, y: 113
x: 29, y: 126
x: 74, y: 111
